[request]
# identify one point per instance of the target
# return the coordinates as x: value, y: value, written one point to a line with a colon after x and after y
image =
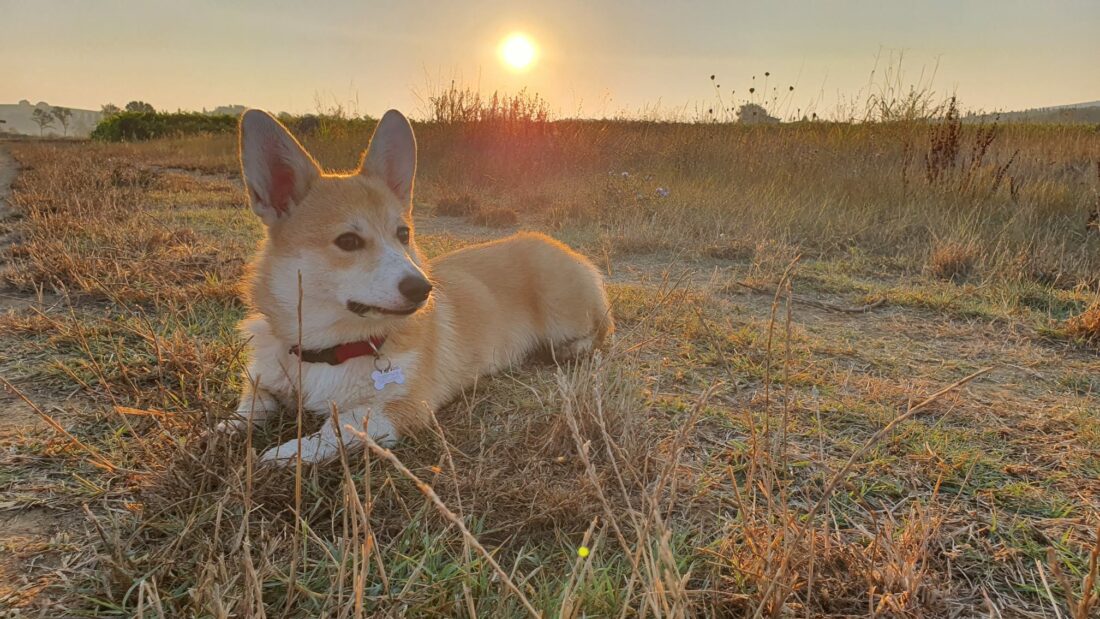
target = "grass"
x: 796, y: 418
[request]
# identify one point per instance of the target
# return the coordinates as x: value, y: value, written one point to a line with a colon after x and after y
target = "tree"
x: 109, y: 109
x: 140, y: 106
x: 63, y: 115
x: 754, y: 114
x: 42, y: 118
x: 228, y: 110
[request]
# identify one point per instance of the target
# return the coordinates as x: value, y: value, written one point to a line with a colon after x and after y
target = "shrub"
x: 139, y: 126
x: 332, y: 124
x: 755, y: 114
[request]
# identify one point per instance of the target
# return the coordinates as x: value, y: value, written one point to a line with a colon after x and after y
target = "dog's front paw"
x: 225, y: 430
x: 381, y: 430
x: 230, y: 426
x: 324, y: 445
x: 312, y: 450
x: 280, y: 455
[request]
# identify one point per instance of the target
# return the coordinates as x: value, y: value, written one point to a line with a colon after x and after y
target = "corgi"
x: 346, y: 315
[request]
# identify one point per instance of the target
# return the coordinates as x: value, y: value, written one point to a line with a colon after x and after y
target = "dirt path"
x: 24, y: 532
x: 7, y: 175
x: 8, y: 170
x: 15, y: 415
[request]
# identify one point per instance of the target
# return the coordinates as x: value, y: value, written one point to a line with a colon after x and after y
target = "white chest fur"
x: 353, y: 383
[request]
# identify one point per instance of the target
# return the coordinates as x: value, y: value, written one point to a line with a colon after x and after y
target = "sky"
x: 594, y: 58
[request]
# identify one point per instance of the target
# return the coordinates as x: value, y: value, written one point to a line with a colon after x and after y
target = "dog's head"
x: 348, y: 237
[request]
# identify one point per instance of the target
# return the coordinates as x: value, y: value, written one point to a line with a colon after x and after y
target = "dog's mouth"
x: 362, y: 309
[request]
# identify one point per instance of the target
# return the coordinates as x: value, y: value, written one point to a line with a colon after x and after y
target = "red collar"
x: 341, y: 353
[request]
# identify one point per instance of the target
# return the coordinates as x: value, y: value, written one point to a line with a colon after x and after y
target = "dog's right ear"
x: 277, y: 170
x: 392, y: 155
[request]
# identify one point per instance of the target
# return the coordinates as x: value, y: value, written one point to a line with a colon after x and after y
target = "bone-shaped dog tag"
x: 381, y: 379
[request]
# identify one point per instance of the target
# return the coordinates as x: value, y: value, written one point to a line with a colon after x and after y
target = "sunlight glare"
x: 518, y: 51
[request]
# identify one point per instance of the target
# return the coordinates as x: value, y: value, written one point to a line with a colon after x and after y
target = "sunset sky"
x: 593, y: 58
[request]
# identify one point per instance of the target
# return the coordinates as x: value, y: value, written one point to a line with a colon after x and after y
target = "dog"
x: 346, y: 315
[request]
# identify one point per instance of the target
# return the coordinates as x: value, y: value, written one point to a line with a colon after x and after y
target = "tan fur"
x: 491, y: 306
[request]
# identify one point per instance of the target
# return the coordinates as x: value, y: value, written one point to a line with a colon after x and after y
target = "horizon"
x: 416, y: 119
x: 591, y: 62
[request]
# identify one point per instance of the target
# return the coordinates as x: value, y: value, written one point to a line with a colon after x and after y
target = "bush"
x: 138, y: 126
x: 755, y: 114
x: 332, y: 124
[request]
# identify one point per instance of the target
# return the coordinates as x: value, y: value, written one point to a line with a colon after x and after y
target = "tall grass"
x: 1019, y: 194
x: 456, y: 104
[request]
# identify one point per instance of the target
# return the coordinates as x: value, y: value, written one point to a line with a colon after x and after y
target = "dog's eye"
x: 403, y: 234
x: 349, y: 241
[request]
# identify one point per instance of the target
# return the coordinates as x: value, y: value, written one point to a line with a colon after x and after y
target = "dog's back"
x: 524, y: 285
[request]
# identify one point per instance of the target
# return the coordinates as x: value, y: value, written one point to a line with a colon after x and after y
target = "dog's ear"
x: 391, y: 155
x: 277, y: 170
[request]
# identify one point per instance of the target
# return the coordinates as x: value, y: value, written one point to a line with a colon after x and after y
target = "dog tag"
x: 381, y: 379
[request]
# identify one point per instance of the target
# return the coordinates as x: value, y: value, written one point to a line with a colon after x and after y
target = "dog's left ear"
x: 391, y: 155
x: 277, y: 170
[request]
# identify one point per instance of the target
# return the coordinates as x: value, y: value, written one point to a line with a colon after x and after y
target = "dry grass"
x: 496, y: 218
x: 828, y: 188
x: 952, y: 260
x: 733, y: 453
x: 1087, y: 325
x: 457, y: 206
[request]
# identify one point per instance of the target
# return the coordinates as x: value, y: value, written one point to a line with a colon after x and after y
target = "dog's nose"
x: 415, y: 288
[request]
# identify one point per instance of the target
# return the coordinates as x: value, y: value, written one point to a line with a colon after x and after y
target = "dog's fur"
x: 490, y: 306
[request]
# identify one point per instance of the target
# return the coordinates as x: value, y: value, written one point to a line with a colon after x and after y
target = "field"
x: 856, y: 374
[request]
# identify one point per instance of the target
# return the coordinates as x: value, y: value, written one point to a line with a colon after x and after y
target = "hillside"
x: 17, y: 119
x: 1076, y: 113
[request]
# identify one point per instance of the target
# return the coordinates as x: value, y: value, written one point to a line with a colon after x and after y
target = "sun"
x: 518, y: 51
